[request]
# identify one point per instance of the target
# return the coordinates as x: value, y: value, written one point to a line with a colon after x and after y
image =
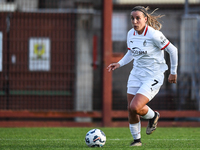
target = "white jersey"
x: 147, y: 51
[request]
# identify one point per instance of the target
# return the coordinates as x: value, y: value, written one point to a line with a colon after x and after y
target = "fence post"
x: 107, y: 59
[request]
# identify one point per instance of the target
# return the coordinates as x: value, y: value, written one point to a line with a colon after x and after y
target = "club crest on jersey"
x: 145, y: 43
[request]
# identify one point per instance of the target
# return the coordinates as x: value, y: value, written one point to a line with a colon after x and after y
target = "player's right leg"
x: 134, y: 124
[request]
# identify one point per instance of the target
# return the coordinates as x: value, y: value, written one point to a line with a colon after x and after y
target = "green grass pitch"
x: 117, y: 139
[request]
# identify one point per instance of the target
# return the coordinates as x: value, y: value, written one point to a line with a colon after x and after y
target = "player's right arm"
x: 128, y: 57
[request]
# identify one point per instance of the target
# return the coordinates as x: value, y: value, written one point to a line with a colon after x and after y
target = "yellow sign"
x: 39, y: 50
x: 39, y: 54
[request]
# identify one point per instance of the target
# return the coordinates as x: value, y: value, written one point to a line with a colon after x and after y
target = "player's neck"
x: 141, y: 31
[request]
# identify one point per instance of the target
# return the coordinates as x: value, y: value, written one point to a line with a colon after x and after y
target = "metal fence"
x: 54, y: 56
x: 189, y: 85
x: 38, y: 61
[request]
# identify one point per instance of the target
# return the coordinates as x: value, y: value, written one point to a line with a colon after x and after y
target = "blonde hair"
x: 152, y: 20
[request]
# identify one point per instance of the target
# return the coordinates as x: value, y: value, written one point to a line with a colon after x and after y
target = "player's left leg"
x: 152, y: 124
x: 138, y: 105
x: 149, y: 89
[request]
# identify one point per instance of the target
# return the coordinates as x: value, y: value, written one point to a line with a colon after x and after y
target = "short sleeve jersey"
x: 147, y: 50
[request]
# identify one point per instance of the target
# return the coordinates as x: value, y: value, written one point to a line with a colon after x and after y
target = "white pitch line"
x: 106, y: 139
x: 156, y: 139
x: 34, y: 139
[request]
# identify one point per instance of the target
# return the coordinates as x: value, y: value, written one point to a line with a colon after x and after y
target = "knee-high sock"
x: 135, y: 130
x: 150, y: 114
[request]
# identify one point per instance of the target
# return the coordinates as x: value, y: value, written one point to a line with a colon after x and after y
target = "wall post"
x: 107, y: 59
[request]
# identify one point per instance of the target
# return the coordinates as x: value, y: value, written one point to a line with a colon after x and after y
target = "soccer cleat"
x: 152, y: 124
x: 134, y: 143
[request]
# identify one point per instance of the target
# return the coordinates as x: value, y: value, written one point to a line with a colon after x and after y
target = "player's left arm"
x: 173, y: 52
x: 164, y: 44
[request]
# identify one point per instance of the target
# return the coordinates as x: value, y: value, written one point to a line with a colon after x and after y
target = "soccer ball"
x: 95, y: 138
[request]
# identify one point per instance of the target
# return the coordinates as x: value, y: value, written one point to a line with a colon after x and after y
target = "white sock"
x: 135, y: 130
x: 150, y: 114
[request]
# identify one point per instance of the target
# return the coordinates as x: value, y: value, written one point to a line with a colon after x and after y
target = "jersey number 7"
x: 154, y: 83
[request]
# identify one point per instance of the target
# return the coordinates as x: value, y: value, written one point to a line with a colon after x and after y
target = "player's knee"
x: 134, y: 109
x: 130, y: 109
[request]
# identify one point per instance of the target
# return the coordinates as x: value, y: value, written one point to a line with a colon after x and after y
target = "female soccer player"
x: 145, y: 46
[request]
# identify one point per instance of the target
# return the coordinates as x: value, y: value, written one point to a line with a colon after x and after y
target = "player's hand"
x: 172, y: 78
x: 113, y: 66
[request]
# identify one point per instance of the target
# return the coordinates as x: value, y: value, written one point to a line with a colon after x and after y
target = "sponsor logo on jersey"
x: 163, y: 40
x: 137, y: 51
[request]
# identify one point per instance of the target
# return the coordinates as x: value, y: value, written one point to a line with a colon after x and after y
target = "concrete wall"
x: 23, y: 5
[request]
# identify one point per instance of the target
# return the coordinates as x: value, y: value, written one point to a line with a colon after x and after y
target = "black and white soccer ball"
x: 95, y: 138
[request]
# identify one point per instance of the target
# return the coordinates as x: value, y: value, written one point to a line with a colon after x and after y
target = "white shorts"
x: 148, y: 87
